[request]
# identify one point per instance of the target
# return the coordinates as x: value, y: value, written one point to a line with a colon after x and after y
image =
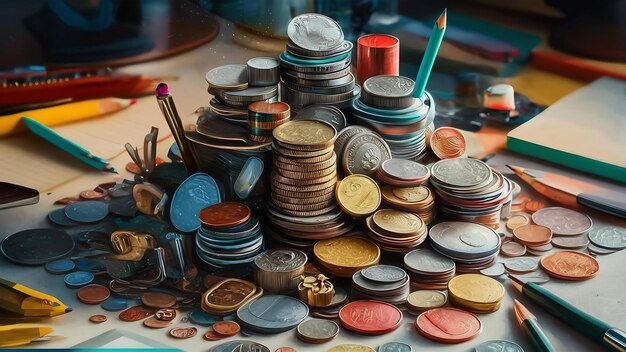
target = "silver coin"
x: 280, y: 260
x: 295, y: 50
x: 610, y: 237
x: 317, y: 76
x: 600, y: 250
x: 364, y: 153
x: 461, y: 172
x: 404, y: 169
x: 239, y: 346
x: 326, y: 89
x: 395, y: 347
x: 499, y: 346
x: 263, y: 63
x: 318, y: 329
x: 513, y: 249
x: 464, y: 239
x: 388, y: 92
x: 315, y: 32
x: 364, y: 284
x: 543, y: 248
x: 495, y: 270
x: 521, y: 264
x: 328, y: 114
x: 537, y: 277
x: 248, y: 95
x: 563, y: 221
x: 427, y: 261
x: 299, y: 99
x: 231, y: 77
x: 571, y: 242
x: 345, y: 134
x: 383, y: 273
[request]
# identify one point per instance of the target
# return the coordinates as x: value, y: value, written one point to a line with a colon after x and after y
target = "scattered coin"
x: 136, y: 313
x: 352, y: 317
x: 395, y: 347
x: 521, y: 265
x: 533, y: 235
x: 37, y: 246
x: 87, y: 212
x: 513, y: 249
x: 183, y: 333
x: 517, y: 220
x: 563, y: 221
x: 285, y: 349
x: 58, y: 217
x: 568, y: 265
x: 165, y: 314
x: 226, y: 328
x: 350, y: 347
x: 476, y: 292
x: 93, y: 294
x: 610, y: 237
x: 114, y: 304
x: 447, y: 143
x: 155, y: 323
x: 158, y: 299
x: 495, y: 270
x: 532, y: 206
x: 98, y: 318
x: 60, y: 266
x: 240, y: 346
x: 448, y: 325
x: 78, y: 279
x: 133, y: 168
x: 426, y: 299
x: 317, y: 330
x: 211, y: 335
x: 92, y: 195
x: 499, y: 345
x: 570, y: 242
x: 599, y: 250
x: 538, y: 277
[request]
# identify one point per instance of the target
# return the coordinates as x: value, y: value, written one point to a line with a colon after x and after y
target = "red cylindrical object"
x: 377, y: 54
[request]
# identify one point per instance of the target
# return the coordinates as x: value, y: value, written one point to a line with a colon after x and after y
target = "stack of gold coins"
x: 358, y: 195
x: 228, y: 295
x: 279, y: 270
x: 303, y: 182
x: 418, y: 200
x: 396, y: 230
x: 344, y: 256
x: 263, y: 117
x: 475, y: 292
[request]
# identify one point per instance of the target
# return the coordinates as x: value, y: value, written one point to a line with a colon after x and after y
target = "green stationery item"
x: 430, y: 55
x: 529, y: 323
x: 584, y: 130
x: 67, y: 146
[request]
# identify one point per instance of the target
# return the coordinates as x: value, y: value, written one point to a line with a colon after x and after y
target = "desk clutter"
x: 303, y: 202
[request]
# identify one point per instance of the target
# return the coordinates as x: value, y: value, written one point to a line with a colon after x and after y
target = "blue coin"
x: 61, y: 266
x: 58, y: 217
x: 197, y: 192
x: 91, y: 265
x: 37, y: 246
x: 78, y: 279
x: 114, y: 304
x: 230, y: 246
x: 210, y: 238
x: 395, y: 347
x: 224, y: 263
x: 201, y: 317
x: 273, y: 313
x: 87, y: 211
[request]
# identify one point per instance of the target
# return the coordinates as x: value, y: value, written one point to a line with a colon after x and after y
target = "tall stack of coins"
x: 344, y: 256
x: 315, y: 67
x: 264, y: 117
x: 469, y: 190
x: 429, y: 270
x: 418, y: 200
x: 303, y: 182
x: 387, y: 106
x: 229, y: 236
x: 279, y: 270
x: 396, y: 230
x: 476, y: 293
x: 385, y: 283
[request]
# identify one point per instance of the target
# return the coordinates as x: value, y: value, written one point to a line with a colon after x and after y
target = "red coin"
x: 448, y: 325
x: 136, y: 313
x: 226, y: 328
x: 370, y: 317
x: 213, y: 336
x: 93, y: 294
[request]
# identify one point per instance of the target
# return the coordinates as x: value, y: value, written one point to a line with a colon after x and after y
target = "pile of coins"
x: 428, y: 270
x: 384, y: 283
x: 229, y: 235
x: 476, y: 293
x: 228, y: 295
x: 315, y: 67
x: 344, y: 256
x: 469, y: 190
x: 264, y: 117
x: 418, y: 200
x: 396, y: 230
x: 472, y: 246
x: 387, y: 106
x: 279, y: 270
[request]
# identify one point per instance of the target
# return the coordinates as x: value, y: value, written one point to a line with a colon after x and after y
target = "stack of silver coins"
x: 385, y: 283
x: 315, y: 67
x: 279, y: 270
x: 387, y: 106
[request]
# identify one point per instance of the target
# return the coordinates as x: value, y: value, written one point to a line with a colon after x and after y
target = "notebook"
x: 585, y: 130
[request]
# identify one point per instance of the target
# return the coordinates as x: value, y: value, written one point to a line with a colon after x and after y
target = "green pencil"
x: 430, y: 54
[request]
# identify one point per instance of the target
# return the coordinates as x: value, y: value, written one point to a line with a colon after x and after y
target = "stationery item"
x: 572, y: 192
x: 12, y: 335
x: 564, y: 133
x: 529, y: 323
x: 28, y: 302
x: 612, y: 339
x: 377, y: 54
x: 68, y: 146
x: 429, y: 56
x: 12, y: 195
x: 168, y: 108
x: 62, y: 114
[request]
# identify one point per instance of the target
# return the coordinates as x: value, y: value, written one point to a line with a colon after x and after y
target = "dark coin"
x: 87, y: 211
x: 58, y: 217
x: 123, y: 206
x: 37, y: 246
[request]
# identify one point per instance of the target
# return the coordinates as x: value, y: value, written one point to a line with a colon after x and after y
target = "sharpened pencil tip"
x: 441, y: 21
x: 133, y: 101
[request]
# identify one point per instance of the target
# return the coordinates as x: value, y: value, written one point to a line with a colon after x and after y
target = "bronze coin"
x: 67, y: 200
x: 133, y: 168
x: 92, y: 195
x: 93, y: 294
x: 225, y: 214
x: 104, y: 187
x: 226, y: 328
x: 158, y: 299
x: 136, y: 313
x: 213, y: 336
x: 285, y: 349
x: 183, y: 333
x: 165, y: 314
x: 98, y: 318
x: 155, y: 323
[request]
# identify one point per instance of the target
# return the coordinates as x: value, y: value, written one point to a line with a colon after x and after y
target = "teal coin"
x: 285, y: 56
x: 114, y: 304
x: 58, y: 217
x: 87, y: 211
x: 61, y: 266
x: 197, y: 192
x: 78, y: 279
x: 201, y: 317
x: 395, y: 347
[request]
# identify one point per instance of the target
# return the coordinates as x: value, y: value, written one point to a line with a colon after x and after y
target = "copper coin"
x: 447, y: 142
x: 532, y: 206
x: 448, y: 325
x: 370, y: 317
x: 226, y: 328
x: 285, y: 349
x: 136, y: 313
x: 513, y: 249
x: 183, y: 333
x: 92, y: 195
x: 224, y: 215
x: 569, y: 265
x: 133, y: 168
x: 517, y: 220
x: 165, y: 314
x: 93, y: 294
x: 104, y: 187
x: 533, y: 235
x: 67, y: 200
x: 98, y: 318
x: 211, y: 335
x: 158, y: 299
x: 155, y: 323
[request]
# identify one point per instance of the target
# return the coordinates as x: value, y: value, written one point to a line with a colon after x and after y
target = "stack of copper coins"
x: 344, y: 256
x: 263, y: 117
x: 228, y: 295
x: 428, y: 270
x: 303, y: 206
x: 396, y: 230
x: 279, y: 270
x: 419, y: 200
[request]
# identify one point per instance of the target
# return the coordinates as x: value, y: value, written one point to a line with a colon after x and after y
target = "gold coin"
x: 307, y: 175
x: 304, y: 182
x: 308, y: 213
x: 358, y: 195
x: 304, y: 188
x: 305, y: 133
x: 304, y: 160
x: 328, y: 192
x: 397, y: 221
x: 303, y: 207
x: 426, y: 299
x: 301, y: 154
x: 476, y: 288
x: 350, y: 347
x: 302, y: 167
x: 412, y: 194
x: 302, y: 200
x: 347, y: 252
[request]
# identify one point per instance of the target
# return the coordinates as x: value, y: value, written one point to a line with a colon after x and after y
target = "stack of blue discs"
x: 386, y: 105
x: 227, y: 247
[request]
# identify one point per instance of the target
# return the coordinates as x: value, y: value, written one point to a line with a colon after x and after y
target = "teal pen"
x: 528, y: 322
x: 612, y: 339
x: 430, y: 54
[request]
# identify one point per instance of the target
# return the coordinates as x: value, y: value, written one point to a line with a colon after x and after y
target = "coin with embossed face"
x: 358, y: 195
x: 388, y: 92
x: 345, y: 134
x: 464, y: 239
x: 397, y: 222
x: 427, y: 261
x: 317, y: 330
x: 232, y: 77
x: 447, y: 143
x: 383, y: 273
x: 499, y: 346
x: 426, y: 299
x: 351, y: 347
x: 611, y: 237
x: 448, y: 325
x: 136, y: 313
x: 183, y: 333
x: 461, y: 173
x: 305, y: 135
x: 370, y: 317
x: 569, y: 265
x: 563, y: 221
x: 364, y: 153
x: 315, y: 32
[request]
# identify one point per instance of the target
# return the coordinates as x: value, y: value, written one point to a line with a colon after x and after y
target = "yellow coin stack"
x: 475, y: 292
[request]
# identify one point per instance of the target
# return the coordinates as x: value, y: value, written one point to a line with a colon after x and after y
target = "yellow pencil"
x: 65, y: 113
x: 21, y: 334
